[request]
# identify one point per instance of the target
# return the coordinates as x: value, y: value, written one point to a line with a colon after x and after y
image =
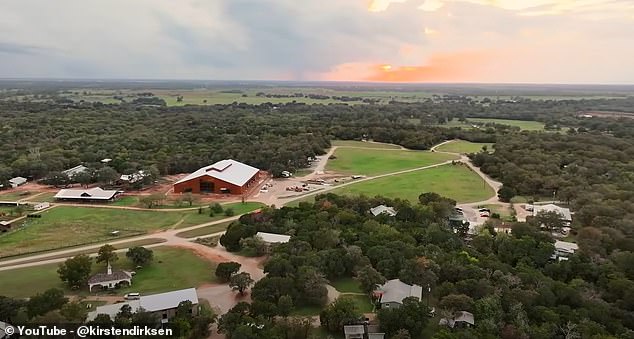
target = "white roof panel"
x: 231, y: 171
x: 396, y: 290
x: 272, y: 238
x: 91, y: 193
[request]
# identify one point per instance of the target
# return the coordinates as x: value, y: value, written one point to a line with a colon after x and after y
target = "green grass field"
x: 14, y: 195
x: 462, y: 146
x: 353, y: 143
x: 457, y: 182
x: 524, y: 125
x: 172, y: 269
x: 362, y: 302
x: 204, y: 230
x: 373, y: 162
x: 64, y: 226
x: 346, y: 285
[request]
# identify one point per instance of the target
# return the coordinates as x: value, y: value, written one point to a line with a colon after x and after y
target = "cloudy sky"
x: 514, y: 41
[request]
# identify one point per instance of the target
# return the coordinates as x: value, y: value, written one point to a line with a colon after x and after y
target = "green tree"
x: 505, y: 193
x: 240, y: 282
x: 411, y: 316
x: 341, y: 312
x: 107, y: 175
x: 40, y: 304
x: 139, y: 255
x: 254, y: 246
x: 75, y: 271
x: 225, y: 270
x: 189, y: 198
x: 285, y: 305
x: 369, y: 278
x: 107, y: 254
x: 74, y: 312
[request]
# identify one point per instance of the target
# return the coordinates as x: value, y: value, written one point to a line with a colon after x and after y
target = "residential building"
x: 225, y: 176
x: 382, y: 209
x: 110, y: 279
x: 272, y: 238
x: 565, y: 213
x: 163, y: 305
x: 563, y: 250
x: 17, y: 181
x: 71, y: 172
x: 89, y: 194
x: 460, y: 319
x: 393, y: 292
x: 133, y: 178
x: 362, y: 332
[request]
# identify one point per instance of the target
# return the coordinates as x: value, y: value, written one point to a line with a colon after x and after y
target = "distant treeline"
x: 43, y: 137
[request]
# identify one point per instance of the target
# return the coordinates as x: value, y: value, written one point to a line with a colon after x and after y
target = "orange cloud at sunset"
x: 449, y: 67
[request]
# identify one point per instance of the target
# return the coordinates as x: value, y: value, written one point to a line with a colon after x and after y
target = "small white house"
x: 393, y: 292
x: 272, y: 238
x: 17, y: 181
x: 382, y: 209
x: 564, y: 249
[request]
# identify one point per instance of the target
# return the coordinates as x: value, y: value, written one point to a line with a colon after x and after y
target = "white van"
x: 132, y: 296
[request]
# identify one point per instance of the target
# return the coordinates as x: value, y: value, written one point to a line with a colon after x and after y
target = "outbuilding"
x: 91, y: 194
x: 17, y: 181
x: 225, y: 176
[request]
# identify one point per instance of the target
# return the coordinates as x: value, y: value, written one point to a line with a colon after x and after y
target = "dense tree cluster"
x: 590, y: 171
x: 40, y: 139
x: 509, y: 282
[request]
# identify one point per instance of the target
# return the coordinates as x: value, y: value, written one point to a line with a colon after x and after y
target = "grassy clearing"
x: 128, y: 200
x: 199, y: 232
x: 362, y: 302
x: 374, y: 162
x: 346, y: 285
x: 44, y: 197
x: 15, y: 195
x: 352, y: 143
x: 457, y: 182
x: 524, y: 125
x: 128, y: 244
x: 462, y: 146
x: 65, y: 226
x: 306, y: 311
x: 172, y: 268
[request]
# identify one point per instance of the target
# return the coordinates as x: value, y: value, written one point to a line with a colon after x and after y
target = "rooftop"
x: 150, y: 303
x: 231, y: 171
x: 565, y: 246
x: 88, y: 194
x: 564, y: 212
x: 75, y: 170
x: 383, y: 209
x: 273, y: 238
x: 115, y: 275
x: 17, y: 180
x: 395, y: 291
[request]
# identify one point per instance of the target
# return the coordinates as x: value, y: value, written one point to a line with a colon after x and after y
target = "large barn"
x: 225, y: 176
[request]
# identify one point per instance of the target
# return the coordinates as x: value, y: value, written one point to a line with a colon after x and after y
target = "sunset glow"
x: 563, y: 41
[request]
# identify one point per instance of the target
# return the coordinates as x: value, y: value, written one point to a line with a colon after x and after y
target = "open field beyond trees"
x: 462, y: 146
x: 374, y: 162
x: 457, y: 182
x: 522, y: 124
x: 66, y: 226
x: 172, y: 268
x: 363, y: 144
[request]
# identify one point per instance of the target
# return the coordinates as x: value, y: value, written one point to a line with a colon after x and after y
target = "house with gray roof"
x: 163, y: 305
x: 272, y: 238
x: 382, y: 209
x: 564, y: 213
x: 110, y: 279
x: 17, y: 181
x: 89, y: 194
x: 393, y: 292
x: 460, y: 319
x: 71, y: 172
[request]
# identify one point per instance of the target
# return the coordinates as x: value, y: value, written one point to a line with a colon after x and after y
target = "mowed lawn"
x: 524, y: 125
x: 172, y: 268
x: 462, y: 146
x: 364, y: 144
x: 374, y: 162
x: 457, y: 182
x: 66, y: 226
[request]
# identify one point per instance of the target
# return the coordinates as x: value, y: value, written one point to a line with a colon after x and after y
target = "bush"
x: 229, y: 212
x: 216, y: 208
x: 225, y: 270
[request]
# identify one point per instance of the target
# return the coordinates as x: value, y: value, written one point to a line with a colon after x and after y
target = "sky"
x: 477, y: 41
